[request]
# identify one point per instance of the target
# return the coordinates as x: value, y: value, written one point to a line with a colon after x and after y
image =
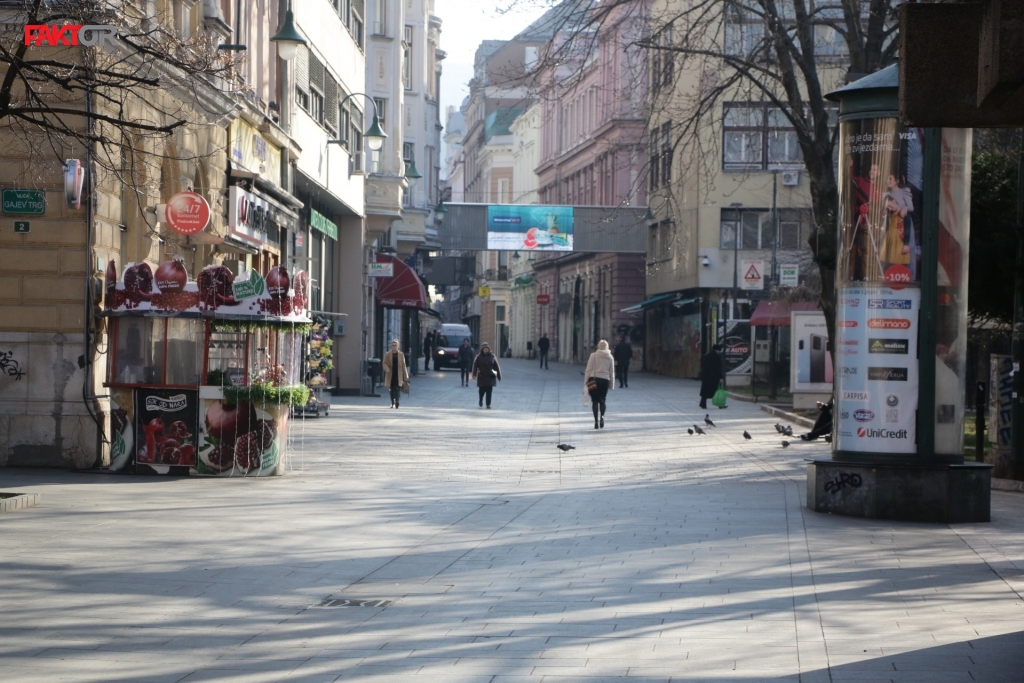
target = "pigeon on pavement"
x: 747, y: 436
x: 565, y: 447
x: 785, y: 444
x: 707, y: 420
x: 698, y: 430
x: 690, y: 431
x: 778, y: 428
x: 788, y: 431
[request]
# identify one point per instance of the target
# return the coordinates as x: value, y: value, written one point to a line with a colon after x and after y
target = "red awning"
x: 404, y: 289
x: 777, y: 312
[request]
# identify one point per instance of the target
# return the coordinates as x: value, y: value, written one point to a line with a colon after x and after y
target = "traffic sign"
x: 753, y: 273
x: 22, y: 226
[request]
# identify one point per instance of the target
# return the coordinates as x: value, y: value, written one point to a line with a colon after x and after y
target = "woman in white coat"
x: 599, y: 375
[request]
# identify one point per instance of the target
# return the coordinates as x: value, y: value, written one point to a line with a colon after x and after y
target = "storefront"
x: 203, y: 374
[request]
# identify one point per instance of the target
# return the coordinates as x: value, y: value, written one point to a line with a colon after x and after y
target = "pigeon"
x: 707, y: 420
x: 788, y: 431
x: 698, y: 430
x: 565, y: 447
x: 747, y: 436
x: 785, y: 444
x: 778, y: 428
x: 690, y: 431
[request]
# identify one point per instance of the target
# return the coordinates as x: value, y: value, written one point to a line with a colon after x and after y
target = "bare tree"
x: 787, y: 53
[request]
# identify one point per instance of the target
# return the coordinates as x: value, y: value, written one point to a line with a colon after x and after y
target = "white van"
x: 446, y: 346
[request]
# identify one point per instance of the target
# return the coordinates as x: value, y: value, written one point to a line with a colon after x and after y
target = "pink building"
x: 593, y: 154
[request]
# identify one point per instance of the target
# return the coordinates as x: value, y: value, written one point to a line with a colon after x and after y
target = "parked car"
x: 449, y: 339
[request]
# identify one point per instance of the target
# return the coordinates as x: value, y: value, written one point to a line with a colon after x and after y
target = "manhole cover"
x: 342, y: 602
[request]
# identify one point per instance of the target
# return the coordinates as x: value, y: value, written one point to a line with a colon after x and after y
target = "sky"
x: 464, y: 24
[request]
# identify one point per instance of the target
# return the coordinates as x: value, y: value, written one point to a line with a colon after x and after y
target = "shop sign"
x: 248, y: 215
x: 381, y: 269
x: 252, y: 152
x: 321, y: 223
x: 484, y: 292
x: 24, y: 201
x: 70, y: 35
x: 883, y: 379
x: 187, y: 213
x: 250, y: 287
x: 751, y: 274
x: 789, y: 276
x: 543, y: 299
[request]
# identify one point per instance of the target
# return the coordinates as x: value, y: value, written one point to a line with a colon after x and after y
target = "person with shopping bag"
x: 599, y: 375
x: 712, y: 375
x: 396, y: 374
x: 487, y: 373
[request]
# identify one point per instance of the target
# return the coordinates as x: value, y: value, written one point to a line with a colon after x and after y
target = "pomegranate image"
x: 179, y: 430
x: 267, y: 430
x: 301, y: 286
x: 215, y: 287
x: 221, y: 458
x: 278, y: 282
x: 226, y: 422
x: 138, y: 282
x: 171, y: 277
x: 248, y: 451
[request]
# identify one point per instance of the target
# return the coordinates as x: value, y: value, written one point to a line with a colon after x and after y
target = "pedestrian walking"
x: 599, y: 374
x: 395, y: 372
x: 486, y: 373
x: 428, y: 347
x: 623, y: 354
x: 712, y: 374
x: 465, y: 362
x: 543, y: 344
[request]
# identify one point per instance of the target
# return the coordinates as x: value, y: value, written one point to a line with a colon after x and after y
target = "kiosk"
x: 901, y: 319
x: 202, y: 375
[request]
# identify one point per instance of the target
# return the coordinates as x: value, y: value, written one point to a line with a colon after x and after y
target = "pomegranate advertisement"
x: 241, y: 439
x: 187, y: 213
x: 167, y: 426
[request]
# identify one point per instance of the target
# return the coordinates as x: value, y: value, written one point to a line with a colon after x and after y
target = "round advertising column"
x: 901, y: 317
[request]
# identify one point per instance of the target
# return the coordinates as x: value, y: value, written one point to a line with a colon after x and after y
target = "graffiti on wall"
x: 9, y: 366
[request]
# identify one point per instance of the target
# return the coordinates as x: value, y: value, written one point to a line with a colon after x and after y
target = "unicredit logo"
x: 889, y: 323
x: 69, y: 34
x: 881, y: 433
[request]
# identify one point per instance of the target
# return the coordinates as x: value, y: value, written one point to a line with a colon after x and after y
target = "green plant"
x: 261, y: 393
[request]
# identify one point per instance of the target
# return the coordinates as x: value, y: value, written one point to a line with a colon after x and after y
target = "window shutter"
x: 316, y: 73
x: 301, y: 62
x: 330, y: 101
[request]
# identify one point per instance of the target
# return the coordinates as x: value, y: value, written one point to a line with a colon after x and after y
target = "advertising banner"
x: 734, y: 336
x: 247, y: 216
x: 242, y: 439
x: 531, y: 227
x: 877, y: 373
x: 167, y: 426
x: 810, y: 361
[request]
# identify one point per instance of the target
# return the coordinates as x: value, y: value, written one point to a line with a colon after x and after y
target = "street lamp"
x: 411, y: 173
x: 374, y: 134
x: 440, y: 211
x: 288, y: 38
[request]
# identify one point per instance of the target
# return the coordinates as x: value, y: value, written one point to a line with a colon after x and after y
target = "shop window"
x: 226, y: 363
x: 184, y: 351
x: 140, y: 351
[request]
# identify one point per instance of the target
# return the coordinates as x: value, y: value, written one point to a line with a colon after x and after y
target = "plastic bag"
x: 586, y: 398
x: 721, y: 398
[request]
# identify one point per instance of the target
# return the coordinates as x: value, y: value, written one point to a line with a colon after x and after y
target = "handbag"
x: 405, y: 386
x: 591, y: 384
x: 721, y: 398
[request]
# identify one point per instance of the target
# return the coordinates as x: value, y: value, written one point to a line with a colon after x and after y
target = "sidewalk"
x: 468, y: 548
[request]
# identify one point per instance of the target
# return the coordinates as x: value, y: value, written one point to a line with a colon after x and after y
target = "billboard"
x: 810, y: 361
x: 530, y: 227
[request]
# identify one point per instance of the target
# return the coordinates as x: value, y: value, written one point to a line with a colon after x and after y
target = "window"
x: 744, y: 32
x: 380, y: 13
x: 499, y: 313
x: 660, y: 170
x: 316, y: 106
x: 407, y: 58
x: 662, y: 60
x: 503, y: 197
x: 408, y: 151
x: 381, y: 105
x: 331, y: 95
x: 752, y: 228
x: 317, y: 75
x: 758, y: 137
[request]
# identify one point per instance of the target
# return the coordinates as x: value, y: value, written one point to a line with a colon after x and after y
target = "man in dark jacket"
x: 465, y: 362
x: 712, y: 374
x: 428, y: 348
x: 486, y: 372
x: 623, y: 354
x: 543, y: 344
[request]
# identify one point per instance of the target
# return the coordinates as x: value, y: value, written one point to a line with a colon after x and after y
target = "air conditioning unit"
x: 791, y: 178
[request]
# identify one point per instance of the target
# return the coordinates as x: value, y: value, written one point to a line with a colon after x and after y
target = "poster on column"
x: 876, y: 374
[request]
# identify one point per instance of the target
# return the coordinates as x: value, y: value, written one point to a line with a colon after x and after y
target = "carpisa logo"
x: 889, y: 324
x: 70, y: 35
x: 888, y: 374
x: 863, y: 432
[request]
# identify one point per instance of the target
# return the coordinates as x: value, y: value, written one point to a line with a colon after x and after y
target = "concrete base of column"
x: 907, y: 492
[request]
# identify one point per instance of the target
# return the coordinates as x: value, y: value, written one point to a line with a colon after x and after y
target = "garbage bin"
x: 373, y: 369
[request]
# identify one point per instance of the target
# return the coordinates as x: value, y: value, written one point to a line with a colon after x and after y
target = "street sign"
x: 24, y: 201
x: 752, y: 274
x: 22, y: 226
x: 484, y: 292
x: 381, y: 269
x: 789, y: 276
x: 543, y: 299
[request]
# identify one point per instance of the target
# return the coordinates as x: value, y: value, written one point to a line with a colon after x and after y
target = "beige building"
x: 522, y: 311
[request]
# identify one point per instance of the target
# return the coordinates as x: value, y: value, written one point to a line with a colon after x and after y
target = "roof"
x: 552, y: 21
x: 886, y: 79
x: 777, y: 312
x: 499, y: 121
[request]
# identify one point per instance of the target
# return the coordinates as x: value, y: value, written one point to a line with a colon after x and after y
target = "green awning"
x: 649, y: 303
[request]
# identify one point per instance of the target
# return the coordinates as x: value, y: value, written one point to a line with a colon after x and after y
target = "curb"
x: 9, y: 502
x: 786, y: 415
x: 1007, y: 485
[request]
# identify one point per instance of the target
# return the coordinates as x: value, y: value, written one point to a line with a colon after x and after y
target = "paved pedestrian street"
x: 443, y: 542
